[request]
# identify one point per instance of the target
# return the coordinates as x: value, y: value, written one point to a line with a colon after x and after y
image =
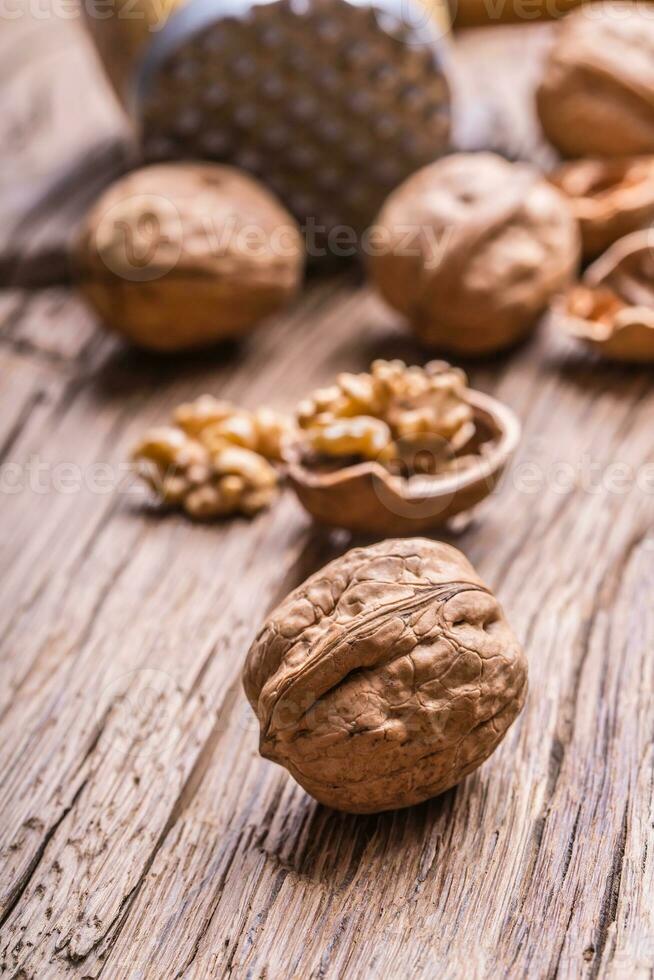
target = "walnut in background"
x: 471, y: 249
x: 597, y: 90
x: 182, y: 255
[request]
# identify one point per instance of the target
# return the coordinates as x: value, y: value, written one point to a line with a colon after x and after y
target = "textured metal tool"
x: 330, y: 102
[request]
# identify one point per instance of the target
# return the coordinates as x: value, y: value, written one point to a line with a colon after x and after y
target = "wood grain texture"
x: 141, y: 836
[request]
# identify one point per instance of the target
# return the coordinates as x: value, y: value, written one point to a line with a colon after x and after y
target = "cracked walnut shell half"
x: 609, y: 198
x: 386, y: 677
x: 398, y: 450
x: 474, y: 248
x: 597, y: 90
x: 612, y: 309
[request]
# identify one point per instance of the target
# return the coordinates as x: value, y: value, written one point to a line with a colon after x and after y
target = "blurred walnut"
x: 399, y: 449
x: 214, y: 461
x: 182, y: 255
x: 609, y: 198
x: 612, y: 310
x: 386, y: 677
x: 597, y: 91
x: 473, y: 249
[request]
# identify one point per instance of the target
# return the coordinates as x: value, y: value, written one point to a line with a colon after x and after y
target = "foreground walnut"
x: 386, y: 677
x: 595, y: 98
x: 489, y: 243
x: 399, y: 449
x: 182, y: 255
x: 609, y: 198
x: 214, y: 461
x: 612, y: 310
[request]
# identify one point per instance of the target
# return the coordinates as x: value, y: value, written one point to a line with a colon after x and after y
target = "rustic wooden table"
x: 141, y: 836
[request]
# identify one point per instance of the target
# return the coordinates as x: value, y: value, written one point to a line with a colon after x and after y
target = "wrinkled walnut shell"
x: 474, y: 247
x: 597, y: 91
x: 183, y: 255
x: 367, y: 498
x: 386, y: 677
x: 612, y: 310
x: 609, y: 198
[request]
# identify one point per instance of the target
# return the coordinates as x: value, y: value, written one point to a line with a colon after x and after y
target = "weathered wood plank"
x: 63, y: 139
x: 140, y: 833
x: 294, y: 866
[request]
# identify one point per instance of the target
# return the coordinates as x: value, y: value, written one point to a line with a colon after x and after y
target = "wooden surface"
x: 141, y: 836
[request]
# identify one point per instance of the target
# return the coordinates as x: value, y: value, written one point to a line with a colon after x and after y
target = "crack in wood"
x: 15, y: 893
x: 609, y: 904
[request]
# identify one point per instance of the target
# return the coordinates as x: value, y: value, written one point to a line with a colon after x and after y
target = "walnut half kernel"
x: 215, y: 460
x: 386, y: 677
x: 399, y: 449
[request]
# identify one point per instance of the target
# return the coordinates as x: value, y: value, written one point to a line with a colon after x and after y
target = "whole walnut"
x: 386, y: 677
x: 597, y: 90
x: 182, y: 255
x: 471, y: 249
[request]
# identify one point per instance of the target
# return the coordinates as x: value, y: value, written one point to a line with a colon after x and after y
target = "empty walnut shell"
x: 612, y: 310
x: 627, y: 268
x: 386, y: 677
x: 365, y: 497
x: 597, y: 90
x: 474, y: 248
x: 609, y: 198
x: 599, y: 318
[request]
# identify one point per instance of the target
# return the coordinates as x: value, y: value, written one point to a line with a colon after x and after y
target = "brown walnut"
x: 183, y: 255
x: 471, y: 249
x: 386, y: 677
x: 612, y: 309
x: 597, y: 90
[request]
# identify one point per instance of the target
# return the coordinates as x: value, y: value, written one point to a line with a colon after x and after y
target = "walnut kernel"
x: 387, y: 412
x: 214, y: 461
